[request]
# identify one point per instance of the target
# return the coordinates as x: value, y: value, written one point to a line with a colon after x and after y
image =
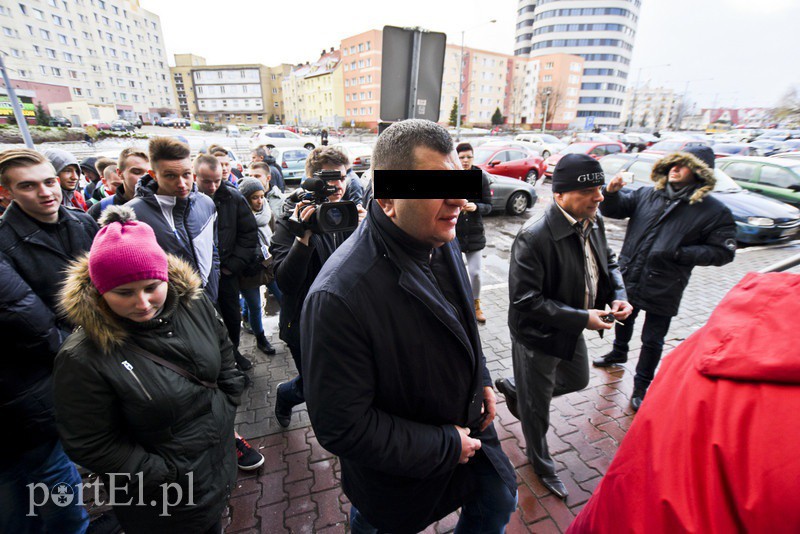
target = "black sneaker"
x: 610, y: 359
x: 249, y: 459
x: 283, y: 409
x: 241, y: 362
x: 636, y: 398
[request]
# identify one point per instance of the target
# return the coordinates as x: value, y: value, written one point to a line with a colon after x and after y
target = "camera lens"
x: 334, y: 216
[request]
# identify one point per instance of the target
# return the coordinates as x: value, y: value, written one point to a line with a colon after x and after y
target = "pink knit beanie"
x: 124, y: 251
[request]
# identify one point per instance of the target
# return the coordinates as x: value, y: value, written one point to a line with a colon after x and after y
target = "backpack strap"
x: 171, y: 366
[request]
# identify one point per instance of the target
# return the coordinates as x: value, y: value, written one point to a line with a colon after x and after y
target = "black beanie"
x: 703, y: 153
x: 577, y: 171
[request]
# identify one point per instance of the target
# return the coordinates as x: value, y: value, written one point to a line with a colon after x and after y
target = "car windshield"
x: 482, y: 155
x: 725, y: 183
x: 577, y: 148
x: 668, y: 146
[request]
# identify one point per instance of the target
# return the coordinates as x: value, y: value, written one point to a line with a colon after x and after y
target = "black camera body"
x: 329, y: 217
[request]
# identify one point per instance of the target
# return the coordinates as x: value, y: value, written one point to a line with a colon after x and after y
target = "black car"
x: 758, y: 219
x: 61, y: 121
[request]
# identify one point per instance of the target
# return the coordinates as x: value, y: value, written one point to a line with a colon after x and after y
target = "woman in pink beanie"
x: 146, y: 389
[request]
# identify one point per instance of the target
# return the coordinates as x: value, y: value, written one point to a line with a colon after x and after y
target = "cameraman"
x: 298, y: 258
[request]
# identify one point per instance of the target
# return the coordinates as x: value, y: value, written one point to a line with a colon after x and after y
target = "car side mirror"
x: 495, y: 162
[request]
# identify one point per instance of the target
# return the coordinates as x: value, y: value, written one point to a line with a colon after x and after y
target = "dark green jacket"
x: 118, y: 412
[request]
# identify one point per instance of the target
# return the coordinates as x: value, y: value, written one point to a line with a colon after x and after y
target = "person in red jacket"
x: 715, y: 449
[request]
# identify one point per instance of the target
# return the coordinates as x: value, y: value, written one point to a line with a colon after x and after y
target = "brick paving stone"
x: 577, y: 468
x: 273, y: 458
x: 298, y: 466
x: 516, y: 525
x: 558, y: 511
x: 301, y: 505
x: 545, y: 526
x: 299, y: 488
x: 272, y: 518
x: 514, y: 453
x: 529, y: 506
x: 323, y: 475
x: 243, y: 512
x: 272, y: 491
x: 328, y: 509
x: 301, y: 524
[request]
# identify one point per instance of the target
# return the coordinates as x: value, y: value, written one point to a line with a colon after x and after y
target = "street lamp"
x: 461, y: 77
x: 547, y: 91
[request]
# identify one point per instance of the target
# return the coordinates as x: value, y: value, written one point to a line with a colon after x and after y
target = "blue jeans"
x: 488, y: 511
x: 252, y: 309
x: 41, y: 470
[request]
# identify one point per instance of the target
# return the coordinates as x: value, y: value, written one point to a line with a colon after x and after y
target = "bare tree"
x: 552, y: 97
x: 788, y: 108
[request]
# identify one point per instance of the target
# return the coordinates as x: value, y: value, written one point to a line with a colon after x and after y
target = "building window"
x: 58, y: 20
x: 44, y: 33
x: 50, y: 53
x: 56, y: 71
x: 38, y: 14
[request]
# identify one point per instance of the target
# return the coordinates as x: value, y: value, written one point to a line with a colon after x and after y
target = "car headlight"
x: 760, y: 221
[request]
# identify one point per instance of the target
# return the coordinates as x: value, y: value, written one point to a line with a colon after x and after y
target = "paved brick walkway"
x: 297, y: 490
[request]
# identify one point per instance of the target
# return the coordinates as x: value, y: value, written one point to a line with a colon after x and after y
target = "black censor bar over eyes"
x: 427, y: 184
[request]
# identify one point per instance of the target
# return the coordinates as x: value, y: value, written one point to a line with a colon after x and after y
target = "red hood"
x: 754, y: 335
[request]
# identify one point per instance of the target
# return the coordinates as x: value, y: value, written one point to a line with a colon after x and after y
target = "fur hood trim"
x: 82, y: 304
x: 700, y: 169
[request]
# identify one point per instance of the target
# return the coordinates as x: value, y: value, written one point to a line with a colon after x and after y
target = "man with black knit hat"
x: 561, y: 278
x: 673, y: 227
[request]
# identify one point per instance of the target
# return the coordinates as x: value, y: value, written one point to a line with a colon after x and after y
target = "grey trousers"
x: 539, y: 378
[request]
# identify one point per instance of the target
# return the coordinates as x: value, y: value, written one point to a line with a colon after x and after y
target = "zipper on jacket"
x: 129, y: 367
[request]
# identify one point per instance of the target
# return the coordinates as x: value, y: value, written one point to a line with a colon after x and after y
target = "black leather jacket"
x: 546, y: 283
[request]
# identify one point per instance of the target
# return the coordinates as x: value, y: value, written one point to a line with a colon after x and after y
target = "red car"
x: 595, y: 149
x: 510, y: 161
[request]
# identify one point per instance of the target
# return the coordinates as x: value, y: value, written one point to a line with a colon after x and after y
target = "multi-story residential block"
x: 226, y: 94
x: 109, y: 53
x: 600, y: 31
x: 313, y: 93
x: 361, y: 70
x: 653, y: 108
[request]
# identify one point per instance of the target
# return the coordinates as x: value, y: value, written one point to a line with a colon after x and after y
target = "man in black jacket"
x: 562, y: 276
x: 673, y: 227
x: 132, y: 165
x: 470, y: 231
x: 298, y: 258
x: 237, y: 239
x: 396, y: 379
x: 261, y: 154
x: 38, y: 238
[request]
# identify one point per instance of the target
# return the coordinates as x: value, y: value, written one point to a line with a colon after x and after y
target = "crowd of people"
x: 125, y: 301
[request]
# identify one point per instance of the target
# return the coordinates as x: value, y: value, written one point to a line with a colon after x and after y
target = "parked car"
x: 545, y: 144
x: 292, y: 162
x: 137, y: 122
x: 766, y: 147
x: 774, y: 177
x: 122, y: 125
x: 163, y: 121
x: 675, y: 145
x: 511, y: 195
x: 759, y: 219
x: 232, y: 131
x: 790, y: 145
x: 723, y: 150
x: 272, y: 138
x: 359, y: 154
x: 596, y: 149
x: 787, y: 155
x: 97, y: 124
x: 510, y: 161
x: 637, y: 142
x: 61, y: 121
x: 180, y: 122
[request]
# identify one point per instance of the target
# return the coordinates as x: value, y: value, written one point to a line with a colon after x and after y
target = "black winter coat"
x: 237, y: 231
x: 469, y: 228
x: 546, y: 283
x: 194, y: 237
x: 276, y: 174
x: 296, y: 266
x: 667, y: 238
x: 32, y: 341
x: 388, y: 369
x: 119, y: 412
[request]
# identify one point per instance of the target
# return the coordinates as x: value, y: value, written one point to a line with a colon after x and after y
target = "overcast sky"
x: 748, y: 47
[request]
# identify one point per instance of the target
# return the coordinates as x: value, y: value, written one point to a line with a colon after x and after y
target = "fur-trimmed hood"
x: 703, y: 173
x: 82, y: 304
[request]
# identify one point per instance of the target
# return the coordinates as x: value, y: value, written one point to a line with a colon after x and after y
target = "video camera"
x: 329, y: 217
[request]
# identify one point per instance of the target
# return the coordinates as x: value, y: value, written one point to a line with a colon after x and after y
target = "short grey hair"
x: 395, y: 147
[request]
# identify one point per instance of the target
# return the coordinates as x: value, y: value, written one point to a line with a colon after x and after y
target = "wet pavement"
x: 298, y: 489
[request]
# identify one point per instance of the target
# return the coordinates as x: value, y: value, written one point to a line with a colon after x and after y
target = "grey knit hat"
x: 248, y: 186
x: 61, y: 159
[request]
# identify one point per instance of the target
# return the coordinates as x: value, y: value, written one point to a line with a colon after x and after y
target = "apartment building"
x: 226, y: 94
x: 313, y: 93
x: 361, y: 71
x: 602, y: 32
x: 653, y: 108
x: 108, y: 53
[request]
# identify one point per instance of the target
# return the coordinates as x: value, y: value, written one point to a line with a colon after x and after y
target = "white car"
x: 359, y: 154
x: 545, y: 144
x: 272, y: 138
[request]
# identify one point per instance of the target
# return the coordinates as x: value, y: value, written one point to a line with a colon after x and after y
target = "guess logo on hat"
x: 592, y: 177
